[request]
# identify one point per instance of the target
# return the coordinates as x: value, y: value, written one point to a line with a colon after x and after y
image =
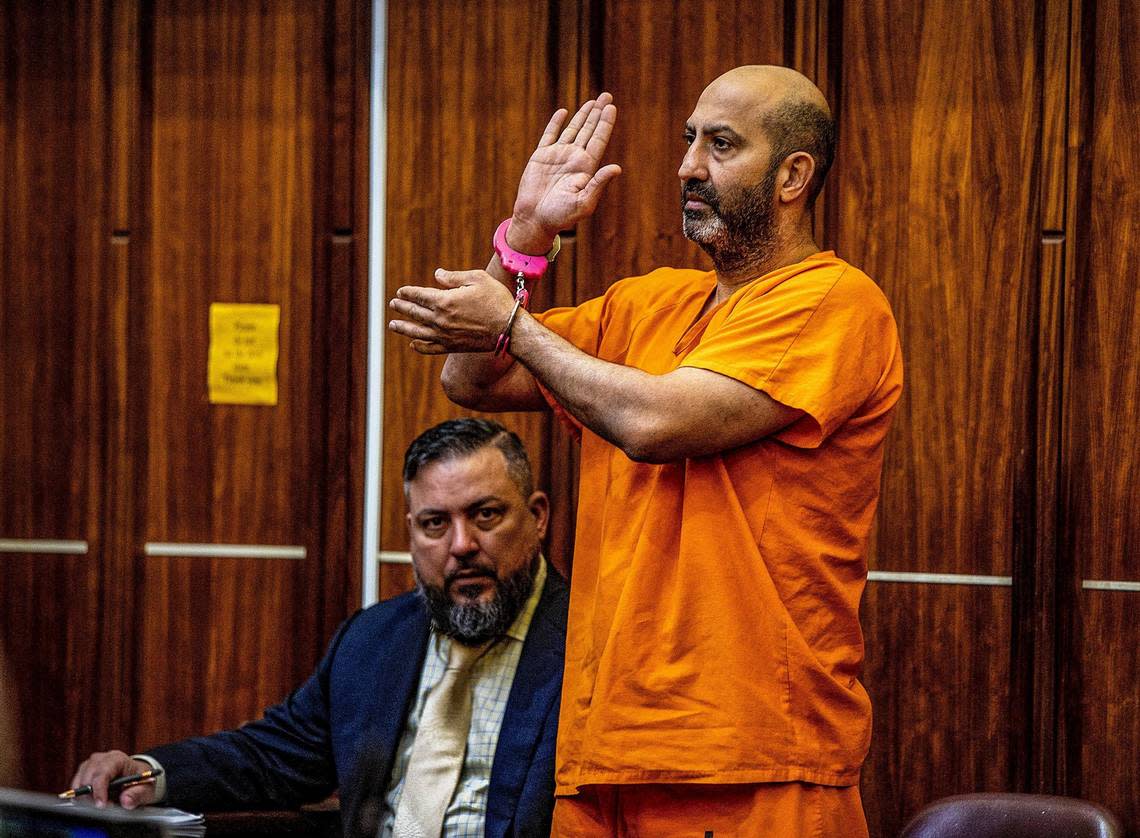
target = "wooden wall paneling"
x: 51, y: 164
x: 342, y: 108
x: 940, y: 116
x: 124, y: 100
x: 1035, y: 679
x: 119, y: 241
x: 942, y: 227
x: 338, y: 223
x: 575, y: 55
x: 51, y: 657
x: 656, y: 60
x: 948, y: 714
x: 1068, y: 589
x: 1101, y: 411
x: 239, y: 99
x: 342, y: 581
x: 806, y: 39
x: 358, y: 306
x: 44, y: 380
x: 469, y: 92
x: 812, y: 26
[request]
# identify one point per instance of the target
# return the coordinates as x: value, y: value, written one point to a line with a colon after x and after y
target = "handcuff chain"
x: 522, y: 299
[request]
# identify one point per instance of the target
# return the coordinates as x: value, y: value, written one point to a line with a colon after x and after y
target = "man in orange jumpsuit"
x: 732, y: 426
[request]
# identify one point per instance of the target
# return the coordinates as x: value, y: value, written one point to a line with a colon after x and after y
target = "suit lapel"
x: 535, y: 691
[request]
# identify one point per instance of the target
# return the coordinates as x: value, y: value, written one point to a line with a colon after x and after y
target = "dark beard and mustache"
x: 738, y: 229
x: 475, y: 623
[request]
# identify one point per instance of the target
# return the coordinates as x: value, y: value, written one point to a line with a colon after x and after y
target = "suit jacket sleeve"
x: 280, y: 761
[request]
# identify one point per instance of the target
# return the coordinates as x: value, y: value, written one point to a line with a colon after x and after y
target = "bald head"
x: 792, y: 112
x: 769, y: 84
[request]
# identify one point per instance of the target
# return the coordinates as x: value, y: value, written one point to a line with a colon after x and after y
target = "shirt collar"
x: 521, y: 625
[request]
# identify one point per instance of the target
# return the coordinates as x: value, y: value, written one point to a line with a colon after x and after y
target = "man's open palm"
x: 562, y: 183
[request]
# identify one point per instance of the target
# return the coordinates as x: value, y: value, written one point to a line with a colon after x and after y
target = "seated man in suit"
x: 434, y: 712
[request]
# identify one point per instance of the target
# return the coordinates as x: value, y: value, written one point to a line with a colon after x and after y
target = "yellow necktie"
x: 437, y: 755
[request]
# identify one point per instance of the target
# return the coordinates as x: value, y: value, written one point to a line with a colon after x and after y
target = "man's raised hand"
x: 562, y: 182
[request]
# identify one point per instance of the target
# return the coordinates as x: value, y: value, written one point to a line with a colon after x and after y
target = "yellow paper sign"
x: 243, y: 353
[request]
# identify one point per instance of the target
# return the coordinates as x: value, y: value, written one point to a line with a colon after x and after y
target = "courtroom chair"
x: 1012, y: 816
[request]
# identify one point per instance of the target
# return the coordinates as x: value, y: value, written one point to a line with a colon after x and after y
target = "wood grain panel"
x: 656, y: 59
x: 1108, y: 725
x: 1100, y: 462
x: 339, y: 310
x: 46, y: 259
x: 1056, y: 113
x: 341, y: 493
x: 239, y: 136
x: 938, y: 671
x: 395, y: 578
x: 1079, y: 124
x: 124, y: 95
x: 1103, y: 317
x: 938, y: 134
x: 347, y: 40
x: 51, y: 346
x: 235, y: 92
x: 935, y: 195
x: 230, y: 637
x: 121, y: 474
x: 357, y: 337
x: 52, y: 653
x: 469, y: 93
x: 118, y: 616
x: 1040, y: 572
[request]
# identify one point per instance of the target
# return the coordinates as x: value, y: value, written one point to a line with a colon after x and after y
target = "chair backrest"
x: 1012, y: 816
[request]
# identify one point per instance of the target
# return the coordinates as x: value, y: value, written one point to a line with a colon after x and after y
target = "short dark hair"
x: 795, y: 125
x: 463, y: 437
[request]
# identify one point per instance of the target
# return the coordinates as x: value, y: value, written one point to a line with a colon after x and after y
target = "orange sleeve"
x: 822, y: 348
x: 580, y: 325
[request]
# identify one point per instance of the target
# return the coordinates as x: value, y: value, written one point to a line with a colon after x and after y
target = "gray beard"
x: 737, y: 230
x: 475, y: 623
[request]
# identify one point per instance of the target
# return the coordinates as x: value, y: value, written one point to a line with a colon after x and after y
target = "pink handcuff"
x: 524, y: 267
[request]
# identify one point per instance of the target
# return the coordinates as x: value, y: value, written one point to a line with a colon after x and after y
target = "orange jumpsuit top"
x: 713, y: 633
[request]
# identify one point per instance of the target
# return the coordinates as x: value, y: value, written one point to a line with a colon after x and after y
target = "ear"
x: 794, y: 177
x: 408, y: 521
x: 539, y: 506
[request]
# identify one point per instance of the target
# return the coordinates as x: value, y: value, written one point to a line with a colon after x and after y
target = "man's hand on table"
x: 101, y: 768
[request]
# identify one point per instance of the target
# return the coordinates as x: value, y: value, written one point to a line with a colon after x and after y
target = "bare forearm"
x: 688, y: 412
x: 623, y: 405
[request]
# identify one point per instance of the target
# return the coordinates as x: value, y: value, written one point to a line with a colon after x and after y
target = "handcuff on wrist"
x: 524, y: 267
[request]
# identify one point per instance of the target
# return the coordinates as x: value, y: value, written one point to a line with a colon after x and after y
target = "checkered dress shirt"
x: 492, y: 677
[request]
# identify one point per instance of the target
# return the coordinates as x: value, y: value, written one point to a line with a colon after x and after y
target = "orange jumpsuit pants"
x: 692, y: 810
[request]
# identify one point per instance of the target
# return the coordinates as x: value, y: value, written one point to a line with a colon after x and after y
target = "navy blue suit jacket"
x: 341, y: 728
